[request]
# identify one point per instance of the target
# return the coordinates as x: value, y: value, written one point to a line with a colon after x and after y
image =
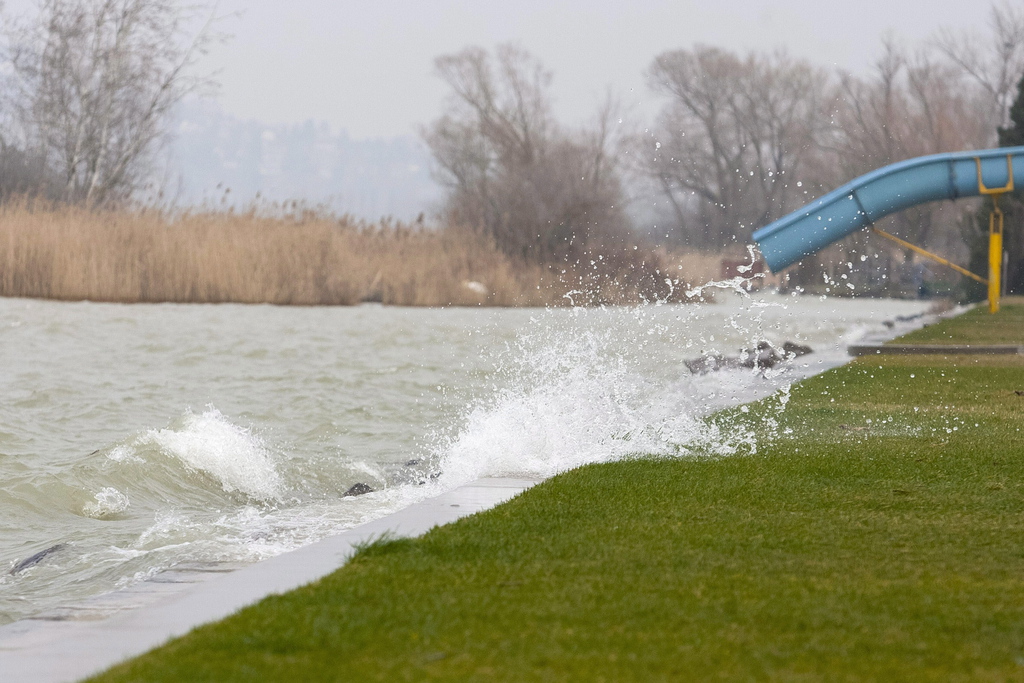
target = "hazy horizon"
x: 363, y: 77
x: 367, y: 68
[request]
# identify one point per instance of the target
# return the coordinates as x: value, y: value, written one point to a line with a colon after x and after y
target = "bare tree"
x: 911, y: 105
x: 97, y: 80
x: 540, y: 191
x: 732, y: 139
x: 873, y: 123
x: 995, y: 63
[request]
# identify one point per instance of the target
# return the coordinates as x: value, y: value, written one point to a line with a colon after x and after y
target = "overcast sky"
x: 367, y: 66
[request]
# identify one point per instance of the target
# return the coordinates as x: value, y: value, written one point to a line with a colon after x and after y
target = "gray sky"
x: 368, y: 66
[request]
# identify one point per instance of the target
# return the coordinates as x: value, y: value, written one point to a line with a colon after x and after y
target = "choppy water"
x: 144, y: 436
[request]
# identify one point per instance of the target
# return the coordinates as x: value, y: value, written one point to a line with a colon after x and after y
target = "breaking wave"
x: 209, y: 443
x: 579, y: 393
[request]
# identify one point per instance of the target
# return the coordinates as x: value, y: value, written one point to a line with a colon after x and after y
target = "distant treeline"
x: 740, y: 140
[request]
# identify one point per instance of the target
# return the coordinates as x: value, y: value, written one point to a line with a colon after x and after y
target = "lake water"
x: 144, y: 436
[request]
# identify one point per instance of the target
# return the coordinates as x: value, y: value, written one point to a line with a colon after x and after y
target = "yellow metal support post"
x: 995, y: 256
x: 995, y: 233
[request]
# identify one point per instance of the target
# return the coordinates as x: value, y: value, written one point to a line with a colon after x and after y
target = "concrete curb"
x: 72, y: 642
x: 936, y: 349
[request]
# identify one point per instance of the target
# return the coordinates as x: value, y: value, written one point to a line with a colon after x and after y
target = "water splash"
x: 593, y: 388
x: 211, y: 444
x: 108, y: 503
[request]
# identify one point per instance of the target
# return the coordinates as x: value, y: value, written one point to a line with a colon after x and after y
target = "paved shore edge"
x: 936, y: 349
x: 71, y: 643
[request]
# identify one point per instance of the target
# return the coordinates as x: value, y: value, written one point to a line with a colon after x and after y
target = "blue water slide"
x: 886, y: 190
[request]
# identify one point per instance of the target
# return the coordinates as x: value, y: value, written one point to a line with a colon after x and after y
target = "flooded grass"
x: 873, y: 535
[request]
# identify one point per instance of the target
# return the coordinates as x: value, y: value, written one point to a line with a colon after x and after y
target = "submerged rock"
x: 792, y: 349
x: 710, y: 363
x: 358, y: 489
x: 37, y: 558
x: 764, y: 356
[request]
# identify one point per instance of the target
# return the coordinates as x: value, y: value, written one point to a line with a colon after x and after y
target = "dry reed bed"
x: 144, y: 256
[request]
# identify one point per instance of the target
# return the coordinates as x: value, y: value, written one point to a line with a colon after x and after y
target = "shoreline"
x: 96, y: 621
x: 866, y: 539
x: 77, y: 641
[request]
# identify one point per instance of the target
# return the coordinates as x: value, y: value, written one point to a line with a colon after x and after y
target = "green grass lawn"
x: 977, y: 326
x: 876, y: 533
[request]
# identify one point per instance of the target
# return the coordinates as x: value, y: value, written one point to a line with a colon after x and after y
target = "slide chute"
x: 861, y: 202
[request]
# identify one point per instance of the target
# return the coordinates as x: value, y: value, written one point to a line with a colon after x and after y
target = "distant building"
x: 217, y: 160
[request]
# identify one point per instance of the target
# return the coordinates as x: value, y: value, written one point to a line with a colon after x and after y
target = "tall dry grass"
x: 306, y: 259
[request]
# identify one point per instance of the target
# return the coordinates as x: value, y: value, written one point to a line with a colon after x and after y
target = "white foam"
x: 593, y: 387
x: 580, y: 395
x: 233, y: 455
x: 109, y: 503
x: 124, y: 453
